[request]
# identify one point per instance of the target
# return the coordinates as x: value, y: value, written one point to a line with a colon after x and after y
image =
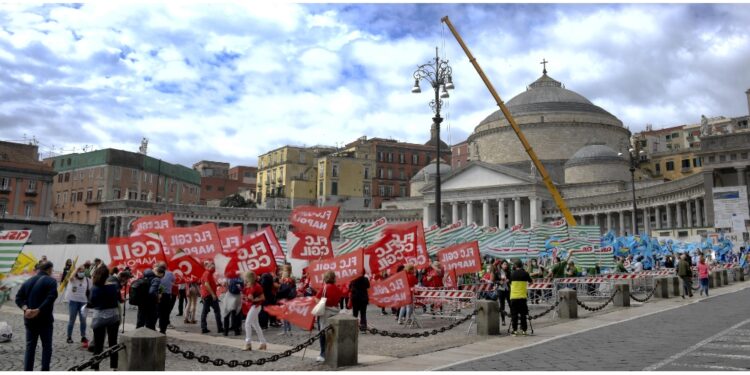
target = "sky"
x: 229, y: 82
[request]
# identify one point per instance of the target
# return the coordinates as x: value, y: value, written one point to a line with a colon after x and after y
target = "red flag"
x: 347, y: 268
x: 462, y: 258
x: 391, y: 292
x: 298, y: 311
x: 186, y: 269
x: 270, y: 235
x: 139, y: 253
x: 309, y: 246
x: 152, y: 224
x: 253, y: 255
x: 230, y: 238
x: 386, y: 254
x: 450, y: 281
x: 411, y: 235
x: 314, y: 220
x: 201, y: 241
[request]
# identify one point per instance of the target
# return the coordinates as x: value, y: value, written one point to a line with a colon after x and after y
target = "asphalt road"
x: 713, y: 334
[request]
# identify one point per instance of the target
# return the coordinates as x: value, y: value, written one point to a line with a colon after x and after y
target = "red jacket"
x: 433, y: 278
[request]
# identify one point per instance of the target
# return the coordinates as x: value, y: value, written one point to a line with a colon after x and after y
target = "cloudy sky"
x: 229, y: 82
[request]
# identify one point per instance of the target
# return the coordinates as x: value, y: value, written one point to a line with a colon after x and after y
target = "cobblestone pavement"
x: 713, y: 334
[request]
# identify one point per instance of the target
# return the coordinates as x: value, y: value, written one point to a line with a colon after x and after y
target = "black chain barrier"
x: 187, y: 354
x: 95, y: 360
x: 648, y: 296
x: 407, y: 335
x: 612, y: 298
x: 545, y: 312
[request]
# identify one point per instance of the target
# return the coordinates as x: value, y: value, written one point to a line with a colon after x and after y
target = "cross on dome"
x: 544, y: 63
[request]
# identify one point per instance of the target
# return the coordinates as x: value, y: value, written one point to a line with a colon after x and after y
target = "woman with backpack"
x: 77, y: 296
x: 105, y: 299
x: 232, y: 306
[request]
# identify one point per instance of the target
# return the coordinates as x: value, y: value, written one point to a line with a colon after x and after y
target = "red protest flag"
x: 231, y: 238
x: 462, y: 258
x: 309, y: 246
x: 186, y: 269
x: 450, y: 281
x: 254, y: 255
x: 314, y: 220
x: 347, y: 267
x: 386, y: 254
x: 411, y: 236
x: 391, y: 292
x: 270, y: 235
x: 152, y: 224
x: 201, y: 241
x: 298, y: 312
x: 139, y: 253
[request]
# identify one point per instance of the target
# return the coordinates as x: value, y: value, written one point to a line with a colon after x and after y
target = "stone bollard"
x: 341, y: 343
x: 739, y: 275
x: 715, y: 278
x: 676, y: 286
x: 145, y: 350
x: 724, y: 277
x: 661, y: 286
x: 711, y: 280
x: 622, y: 299
x: 568, y: 309
x: 488, y: 318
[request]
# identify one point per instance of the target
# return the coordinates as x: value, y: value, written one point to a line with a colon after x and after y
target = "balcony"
x: 31, y: 193
x: 5, y: 190
x: 93, y: 201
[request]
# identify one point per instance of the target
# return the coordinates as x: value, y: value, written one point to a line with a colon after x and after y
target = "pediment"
x: 481, y: 175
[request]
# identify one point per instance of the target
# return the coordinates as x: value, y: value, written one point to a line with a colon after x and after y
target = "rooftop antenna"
x: 144, y: 146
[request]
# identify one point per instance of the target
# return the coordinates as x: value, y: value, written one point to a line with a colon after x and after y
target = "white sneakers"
x: 320, y: 359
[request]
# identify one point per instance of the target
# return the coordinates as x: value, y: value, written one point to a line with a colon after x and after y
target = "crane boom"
x: 538, y: 164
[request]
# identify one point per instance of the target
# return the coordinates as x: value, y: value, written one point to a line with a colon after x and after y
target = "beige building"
x: 287, y: 176
x: 345, y: 178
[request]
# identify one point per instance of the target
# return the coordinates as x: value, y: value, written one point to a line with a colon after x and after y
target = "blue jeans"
x: 405, y: 312
x: 210, y: 303
x: 704, y: 285
x: 74, y: 311
x: 34, y: 333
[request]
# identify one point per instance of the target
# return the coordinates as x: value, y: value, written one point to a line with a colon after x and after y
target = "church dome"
x: 430, y: 169
x: 591, y: 154
x: 596, y: 162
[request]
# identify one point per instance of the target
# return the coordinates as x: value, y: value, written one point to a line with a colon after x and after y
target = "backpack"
x: 139, y: 291
x: 287, y: 291
x: 235, y: 286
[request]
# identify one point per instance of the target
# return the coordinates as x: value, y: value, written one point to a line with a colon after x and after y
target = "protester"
x: 104, y: 301
x: 500, y: 276
x: 119, y: 279
x: 519, y: 308
x: 669, y: 262
x: 558, y: 268
x: 638, y: 265
x: 620, y: 267
x: 536, y: 271
x: 332, y: 293
x: 253, y: 293
x: 182, y: 293
x: 703, y: 275
x: 66, y: 270
x: 210, y: 300
x: 433, y: 278
x: 77, y: 295
x: 359, y: 299
x: 287, y: 291
x: 686, y: 274
x: 36, y: 298
x: 148, y: 308
x: 166, y: 299
x: 231, y: 306
x: 405, y: 313
x: 87, y: 268
x: 40, y: 262
x: 267, y: 282
x: 344, y: 302
x: 193, y: 292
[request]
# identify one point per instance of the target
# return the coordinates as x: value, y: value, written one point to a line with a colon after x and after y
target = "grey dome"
x: 430, y: 169
x: 543, y: 96
x: 594, y: 154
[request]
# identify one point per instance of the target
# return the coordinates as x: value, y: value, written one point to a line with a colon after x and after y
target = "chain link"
x: 187, y: 354
x: 612, y: 298
x: 435, y: 331
x: 648, y: 296
x: 545, y: 312
x: 95, y: 360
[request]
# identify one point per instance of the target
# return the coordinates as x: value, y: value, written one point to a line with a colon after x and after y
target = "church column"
x: 609, y: 221
x: 501, y: 213
x: 698, y: 213
x: 689, y: 212
x: 107, y: 234
x: 678, y: 213
x: 469, y: 213
x: 647, y: 220
x: 670, y: 225
x: 517, y: 211
x: 622, y: 223
x: 657, y: 223
x: 536, y: 211
x: 454, y: 216
x: 596, y: 219
x: 485, y: 213
x: 426, y: 215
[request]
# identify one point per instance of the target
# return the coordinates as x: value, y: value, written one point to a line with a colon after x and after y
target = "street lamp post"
x: 635, y: 160
x: 439, y: 75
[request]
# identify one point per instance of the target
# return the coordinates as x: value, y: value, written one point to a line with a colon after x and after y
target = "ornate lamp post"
x: 439, y: 76
x: 635, y: 161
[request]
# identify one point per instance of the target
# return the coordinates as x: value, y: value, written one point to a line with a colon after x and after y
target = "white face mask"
x: 80, y: 275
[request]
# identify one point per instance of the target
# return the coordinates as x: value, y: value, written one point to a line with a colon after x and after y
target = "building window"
x: 67, y: 177
x: 134, y: 174
x: 381, y: 190
x: 60, y: 177
x: 80, y: 196
x: 3, y: 207
x: 5, y: 183
x: 390, y: 173
x: 335, y: 171
x: 415, y: 158
x: 380, y: 156
x: 73, y: 197
x: 696, y: 162
x: 402, y: 190
x: 366, y: 190
x: 733, y: 157
x: 209, y: 187
x: 380, y: 172
x: 220, y: 188
x: 401, y: 174
x: 334, y: 188
x: 28, y: 209
x: 711, y: 159
x: 657, y: 167
x: 99, y: 194
x: 89, y: 195
x: 390, y: 157
x: 65, y: 197
x: 367, y: 203
x: 685, y: 163
x: 388, y: 191
x: 58, y: 199
x: 116, y: 193
x: 670, y: 165
x: 722, y: 158
x: 367, y: 173
x: 402, y: 158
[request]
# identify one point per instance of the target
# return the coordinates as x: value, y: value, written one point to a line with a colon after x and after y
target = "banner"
x: 411, y: 236
x: 347, y: 268
x: 201, y: 241
x: 309, y: 246
x: 386, y: 254
x: 230, y: 238
x: 314, y: 220
x: 185, y: 268
x: 391, y: 292
x: 11, y: 244
x: 296, y: 311
x: 152, y: 224
x: 139, y: 253
x: 450, y: 281
x: 254, y: 255
x: 462, y: 258
x: 278, y: 251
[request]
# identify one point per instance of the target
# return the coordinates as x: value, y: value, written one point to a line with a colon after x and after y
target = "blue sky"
x: 229, y: 82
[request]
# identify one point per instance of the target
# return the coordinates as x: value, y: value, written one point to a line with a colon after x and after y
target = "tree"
x: 236, y: 200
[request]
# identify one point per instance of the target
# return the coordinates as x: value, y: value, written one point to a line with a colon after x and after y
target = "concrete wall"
x: 38, y: 230
x: 58, y: 233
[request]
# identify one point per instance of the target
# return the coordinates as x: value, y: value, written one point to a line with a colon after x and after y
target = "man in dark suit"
x: 37, y: 298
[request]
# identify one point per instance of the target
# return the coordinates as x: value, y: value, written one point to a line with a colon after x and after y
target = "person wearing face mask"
x: 77, y: 296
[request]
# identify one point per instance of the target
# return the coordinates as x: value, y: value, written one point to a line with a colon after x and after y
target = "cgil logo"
x: 136, y: 249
